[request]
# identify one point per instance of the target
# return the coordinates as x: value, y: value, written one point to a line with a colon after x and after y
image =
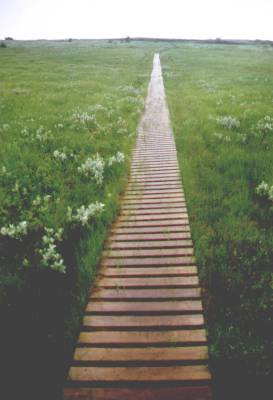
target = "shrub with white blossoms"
x: 51, y: 258
x: 228, y: 122
x: 60, y: 156
x: 265, y: 190
x: 118, y: 158
x: 15, y: 231
x: 42, y: 203
x: 84, y: 214
x: 93, y: 167
x: 87, y: 120
x: 264, y: 127
x: 42, y: 135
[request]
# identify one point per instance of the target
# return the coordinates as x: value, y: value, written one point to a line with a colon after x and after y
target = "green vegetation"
x: 220, y: 99
x: 68, y: 117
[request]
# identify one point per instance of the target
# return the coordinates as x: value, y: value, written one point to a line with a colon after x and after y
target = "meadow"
x: 221, y: 105
x: 68, y: 119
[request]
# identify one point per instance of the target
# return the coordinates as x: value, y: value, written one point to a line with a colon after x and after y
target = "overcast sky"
x: 59, y: 19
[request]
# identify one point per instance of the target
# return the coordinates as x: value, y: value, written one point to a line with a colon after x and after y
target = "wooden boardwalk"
x: 143, y: 335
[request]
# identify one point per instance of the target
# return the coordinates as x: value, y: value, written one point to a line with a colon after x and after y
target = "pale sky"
x: 200, y: 19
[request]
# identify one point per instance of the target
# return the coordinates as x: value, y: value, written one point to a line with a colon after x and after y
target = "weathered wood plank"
x: 144, y: 306
x: 144, y: 393
x: 117, y: 293
x: 153, y: 261
x: 140, y: 374
x: 147, y: 338
x: 142, y: 354
x: 148, y: 244
x: 184, y: 237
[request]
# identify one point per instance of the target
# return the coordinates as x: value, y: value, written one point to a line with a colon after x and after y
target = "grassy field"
x: 221, y: 100
x: 68, y: 117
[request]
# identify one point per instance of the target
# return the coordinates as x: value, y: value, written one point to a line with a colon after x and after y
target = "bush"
x: 3, y: 44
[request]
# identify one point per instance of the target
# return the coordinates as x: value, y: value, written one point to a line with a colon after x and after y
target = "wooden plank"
x: 137, y: 186
x: 142, y: 197
x: 152, y: 262
x: 150, y: 205
x: 183, y: 281
x: 153, y: 217
x: 144, y: 393
x: 183, y: 237
x: 143, y: 230
x: 144, y: 253
x: 134, y: 212
x: 144, y: 306
x: 148, y: 271
x: 167, y: 223
x: 147, y: 244
x: 143, y: 321
x: 117, y: 293
x: 140, y: 374
x: 154, y: 354
x: 148, y: 192
x: 146, y: 338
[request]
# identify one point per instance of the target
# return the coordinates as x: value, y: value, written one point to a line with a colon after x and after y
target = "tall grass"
x: 63, y: 106
x: 220, y: 98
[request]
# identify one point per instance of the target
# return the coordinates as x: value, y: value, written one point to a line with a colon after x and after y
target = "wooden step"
x: 175, y: 374
x: 136, y: 393
x: 155, y: 355
x: 143, y: 334
x: 146, y: 307
x: 146, y: 293
x: 144, y: 338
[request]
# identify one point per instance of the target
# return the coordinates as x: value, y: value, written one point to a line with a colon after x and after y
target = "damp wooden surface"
x: 143, y: 334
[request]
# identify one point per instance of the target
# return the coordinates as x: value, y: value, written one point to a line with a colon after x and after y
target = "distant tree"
x: 70, y: 40
x: 3, y: 44
x: 110, y: 41
x: 218, y: 39
x: 127, y: 39
x: 8, y: 38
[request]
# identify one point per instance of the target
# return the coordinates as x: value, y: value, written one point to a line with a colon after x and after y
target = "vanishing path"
x: 143, y: 333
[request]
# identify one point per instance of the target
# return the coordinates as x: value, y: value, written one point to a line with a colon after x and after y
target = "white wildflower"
x: 15, y: 231
x: 94, y: 168
x: 37, y: 201
x: 228, y: 122
x: 118, y: 158
x: 84, y: 214
x: 50, y: 256
x: 59, y: 155
x: 262, y: 189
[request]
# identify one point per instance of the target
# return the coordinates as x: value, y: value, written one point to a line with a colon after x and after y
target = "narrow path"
x: 143, y: 333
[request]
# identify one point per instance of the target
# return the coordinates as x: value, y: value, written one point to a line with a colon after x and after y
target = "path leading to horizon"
x: 143, y: 334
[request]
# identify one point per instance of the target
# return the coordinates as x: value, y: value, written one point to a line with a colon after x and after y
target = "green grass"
x: 221, y: 166
x: 45, y: 89
x: 81, y: 99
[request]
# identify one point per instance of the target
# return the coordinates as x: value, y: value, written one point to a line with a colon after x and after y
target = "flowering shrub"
x: 93, y: 167
x: 118, y: 158
x: 59, y: 155
x: 264, y: 190
x: 50, y: 257
x: 264, y: 127
x: 84, y: 214
x: 86, y: 120
x: 228, y: 122
x: 15, y: 231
